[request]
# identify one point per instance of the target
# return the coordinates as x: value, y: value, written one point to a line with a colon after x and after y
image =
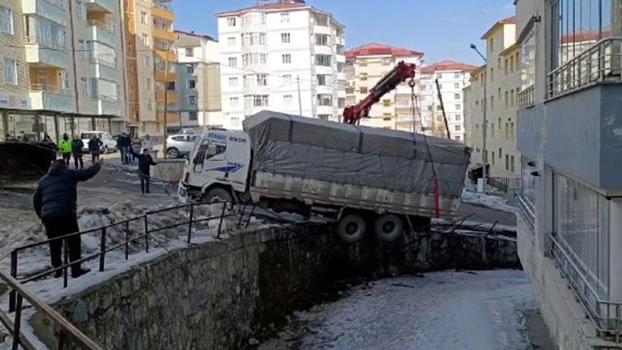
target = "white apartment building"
x: 501, y: 78
x: 369, y: 63
x: 284, y: 56
x: 452, y: 77
x: 198, y: 81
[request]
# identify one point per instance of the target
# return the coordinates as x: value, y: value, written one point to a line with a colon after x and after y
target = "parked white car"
x: 109, y: 143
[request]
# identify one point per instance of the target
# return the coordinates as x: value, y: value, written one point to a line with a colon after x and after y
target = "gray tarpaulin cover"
x: 362, y: 156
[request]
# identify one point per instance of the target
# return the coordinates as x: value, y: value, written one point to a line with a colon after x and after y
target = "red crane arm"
x: 399, y: 74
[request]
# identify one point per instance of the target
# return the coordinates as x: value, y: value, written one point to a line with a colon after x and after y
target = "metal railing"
x: 49, y: 89
x: 146, y: 230
x: 67, y: 331
x: 606, y: 315
x: 527, y: 211
x: 526, y: 98
x: 102, y: 25
x: 600, y: 63
x: 504, y: 184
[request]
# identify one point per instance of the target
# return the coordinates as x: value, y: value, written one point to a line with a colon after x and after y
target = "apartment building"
x: 500, y: 78
x: 368, y: 64
x: 61, y: 58
x: 198, y: 81
x: 285, y: 56
x: 570, y: 222
x: 452, y: 78
x: 151, y: 65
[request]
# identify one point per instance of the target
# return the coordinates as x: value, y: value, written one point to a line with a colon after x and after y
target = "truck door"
x: 215, y: 164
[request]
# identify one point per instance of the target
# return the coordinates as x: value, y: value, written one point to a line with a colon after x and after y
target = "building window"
x: 457, y: 128
x: 324, y: 60
x: 322, y: 40
x: 193, y: 116
x: 322, y: 79
x: 386, y: 103
x: 288, y: 99
x: 458, y: 107
x: 233, y: 62
x: 285, y: 38
x: 10, y: 71
x: 257, y: 100
x: 234, y: 101
x: 233, y: 81
x: 6, y: 20
x: 231, y: 21
x: 192, y: 100
x: 528, y: 65
x: 144, y: 18
x: 512, y: 163
x: 231, y: 41
x: 149, y: 84
x: 149, y: 104
x: 387, y: 117
x: 457, y: 117
x: 284, y: 17
x: 287, y: 79
x: 286, y: 58
x: 457, y: 96
x: 457, y: 75
x: 170, y: 86
x: 457, y: 86
x: 324, y: 100
x: 189, y: 52
x: 363, y: 90
x: 192, y: 84
x: 147, y: 62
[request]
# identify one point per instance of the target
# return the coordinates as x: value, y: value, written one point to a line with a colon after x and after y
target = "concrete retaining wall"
x: 220, y: 294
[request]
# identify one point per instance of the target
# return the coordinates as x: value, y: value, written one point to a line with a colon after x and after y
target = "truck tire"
x: 388, y: 227
x: 218, y: 195
x: 351, y: 228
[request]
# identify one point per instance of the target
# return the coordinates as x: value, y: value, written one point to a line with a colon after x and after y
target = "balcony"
x: 42, y: 56
x: 101, y: 6
x: 526, y: 98
x: 105, y: 71
x: 162, y: 76
x: 51, y: 99
x: 171, y: 97
x: 323, y: 50
x: 46, y: 9
x: 110, y: 107
x: 165, y: 55
x: 163, y: 34
x: 602, y: 63
x: 162, y: 9
x: 103, y: 33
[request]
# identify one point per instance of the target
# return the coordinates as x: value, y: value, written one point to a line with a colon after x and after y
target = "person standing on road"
x: 123, y: 144
x: 55, y: 203
x: 136, y: 146
x: 145, y: 161
x: 65, y: 148
x: 76, y: 148
x: 95, y: 148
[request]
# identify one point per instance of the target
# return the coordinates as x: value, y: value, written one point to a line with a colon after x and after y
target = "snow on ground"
x: 444, y: 310
x: 487, y: 200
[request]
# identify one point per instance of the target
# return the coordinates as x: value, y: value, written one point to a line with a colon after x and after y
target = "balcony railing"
x: 526, y: 98
x: 601, y: 63
x: 49, y: 89
x: 102, y: 25
x: 606, y: 315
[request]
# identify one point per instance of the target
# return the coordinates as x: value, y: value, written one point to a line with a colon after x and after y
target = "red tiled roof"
x: 448, y: 65
x: 375, y: 49
x: 509, y: 20
x: 586, y: 36
x: 275, y: 6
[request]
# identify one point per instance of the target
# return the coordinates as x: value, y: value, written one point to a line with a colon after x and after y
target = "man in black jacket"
x: 76, y: 148
x: 144, y: 168
x: 55, y: 203
x: 95, y: 148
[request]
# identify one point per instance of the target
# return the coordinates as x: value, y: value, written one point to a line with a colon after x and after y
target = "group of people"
x: 75, y: 147
x: 129, y: 146
x: 55, y: 199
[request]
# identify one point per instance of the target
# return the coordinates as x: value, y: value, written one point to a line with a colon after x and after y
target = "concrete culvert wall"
x: 219, y: 295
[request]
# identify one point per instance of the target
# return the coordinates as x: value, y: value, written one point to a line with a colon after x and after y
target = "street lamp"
x: 484, y: 120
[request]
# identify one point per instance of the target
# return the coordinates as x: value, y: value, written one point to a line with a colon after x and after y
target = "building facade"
x: 198, y: 81
x: 151, y: 61
x: 62, y: 56
x: 368, y: 64
x: 284, y: 56
x: 452, y: 78
x: 570, y: 222
x: 501, y: 79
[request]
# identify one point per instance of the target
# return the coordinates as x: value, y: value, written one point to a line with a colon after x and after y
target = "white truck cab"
x: 218, y: 167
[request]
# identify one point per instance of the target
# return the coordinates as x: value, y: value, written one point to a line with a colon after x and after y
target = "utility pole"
x: 299, y: 96
x: 166, y: 75
x: 484, y: 119
x: 440, y: 99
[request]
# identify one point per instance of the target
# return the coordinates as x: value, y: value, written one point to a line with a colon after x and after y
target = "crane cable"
x: 436, y: 188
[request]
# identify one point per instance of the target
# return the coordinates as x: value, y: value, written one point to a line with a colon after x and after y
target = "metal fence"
x: 526, y: 97
x: 138, y: 230
x: 527, y: 211
x: 504, y: 184
x: 600, y: 63
x: 606, y: 315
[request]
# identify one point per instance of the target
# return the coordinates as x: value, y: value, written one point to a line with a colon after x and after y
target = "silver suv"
x: 180, y: 145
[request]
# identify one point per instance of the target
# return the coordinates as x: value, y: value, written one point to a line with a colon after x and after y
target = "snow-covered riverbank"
x: 446, y: 310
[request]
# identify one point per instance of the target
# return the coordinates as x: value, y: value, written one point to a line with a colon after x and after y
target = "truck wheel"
x: 389, y: 227
x: 351, y: 228
x: 218, y: 195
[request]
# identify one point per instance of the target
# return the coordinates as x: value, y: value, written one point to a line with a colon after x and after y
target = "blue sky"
x: 443, y: 29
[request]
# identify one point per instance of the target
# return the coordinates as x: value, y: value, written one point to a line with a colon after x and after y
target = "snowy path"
x: 446, y: 310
